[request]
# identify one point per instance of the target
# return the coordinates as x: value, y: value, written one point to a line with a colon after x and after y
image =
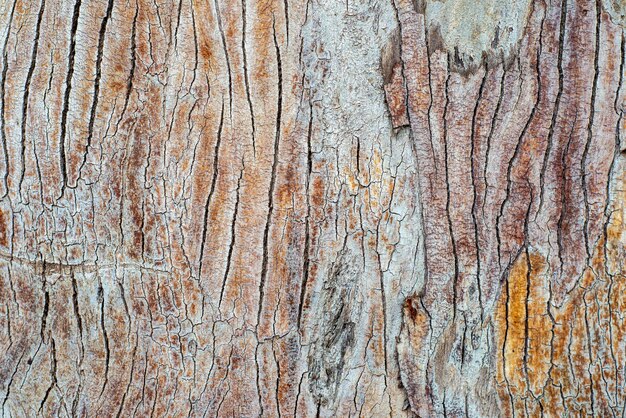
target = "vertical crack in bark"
x: 66, y: 99
x: 518, y: 150
x: 258, y: 379
x: 195, y: 52
x: 590, y: 358
x: 178, y: 14
x: 383, y: 300
x: 270, y: 193
x: 130, y: 378
x: 305, y: 252
x: 608, y: 213
x: 133, y: 63
x: 507, y: 309
x: 447, y: 178
x: 53, y: 373
x: 79, y: 319
x: 473, y: 175
x: 5, y: 68
x: 216, y: 160
x: 494, y: 120
x: 96, y: 83
x: 563, y: 202
x: 10, y: 384
x: 286, y: 10
x: 29, y: 77
x: 227, y: 57
x: 245, y: 72
x: 79, y: 323
x: 107, y: 349
x: 46, y: 304
x: 430, y: 100
x: 277, y: 384
x: 526, y: 311
x: 592, y: 112
x: 233, y: 237
x: 557, y: 103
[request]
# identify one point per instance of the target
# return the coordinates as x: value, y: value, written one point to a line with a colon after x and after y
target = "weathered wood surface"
x: 301, y: 208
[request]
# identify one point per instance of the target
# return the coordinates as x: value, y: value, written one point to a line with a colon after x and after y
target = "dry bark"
x: 302, y: 208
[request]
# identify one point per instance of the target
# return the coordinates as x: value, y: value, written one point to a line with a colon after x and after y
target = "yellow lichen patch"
x: 539, y: 326
x: 510, y: 318
x: 564, y: 360
x: 4, y: 232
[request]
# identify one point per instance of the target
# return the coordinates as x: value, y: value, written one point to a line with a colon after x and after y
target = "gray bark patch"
x: 473, y: 29
x: 337, y: 333
x: 617, y: 11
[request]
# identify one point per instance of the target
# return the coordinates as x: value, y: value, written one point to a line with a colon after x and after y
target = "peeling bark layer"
x: 303, y: 208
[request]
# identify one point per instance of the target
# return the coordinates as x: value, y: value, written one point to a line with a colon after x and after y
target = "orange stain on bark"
x: 4, y: 240
x: 555, y: 359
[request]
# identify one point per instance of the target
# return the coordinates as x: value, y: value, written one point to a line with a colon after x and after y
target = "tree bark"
x: 312, y: 208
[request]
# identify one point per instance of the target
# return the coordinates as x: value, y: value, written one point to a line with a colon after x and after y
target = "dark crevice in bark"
x: 286, y: 10
x: 592, y: 111
x: 473, y: 175
x: 46, y: 307
x: 277, y: 382
x: 216, y: 160
x: 270, y: 193
x: 245, y: 72
x: 226, y: 56
x: 608, y: 213
x: 233, y: 238
x: 66, y: 99
x: 563, y: 202
x: 430, y: 96
x: 96, y: 83
x: 178, y: 14
x: 589, y: 359
x: 133, y: 63
x: 29, y: 77
x: 557, y: 103
x: 79, y: 319
x: 10, y: 384
x: 507, y: 301
x: 455, y: 278
x: 130, y: 377
x: 53, y: 373
x: 306, y: 251
x: 258, y: 380
x: 105, y: 336
x: 518, y: 150
x: 494, y: 119
x: 195, y: 52
x: 526, y: 306
x: 5, y: 68
x: 383, y: 301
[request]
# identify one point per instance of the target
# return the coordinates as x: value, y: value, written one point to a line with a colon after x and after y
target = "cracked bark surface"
x: 310, y: 208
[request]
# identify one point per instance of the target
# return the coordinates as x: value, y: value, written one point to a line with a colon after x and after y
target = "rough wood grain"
x: 312, y: 208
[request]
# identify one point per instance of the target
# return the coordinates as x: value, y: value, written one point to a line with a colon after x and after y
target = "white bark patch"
x: 472, y: 28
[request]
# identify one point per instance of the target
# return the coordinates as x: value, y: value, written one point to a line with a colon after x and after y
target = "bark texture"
x: 312, y: 208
